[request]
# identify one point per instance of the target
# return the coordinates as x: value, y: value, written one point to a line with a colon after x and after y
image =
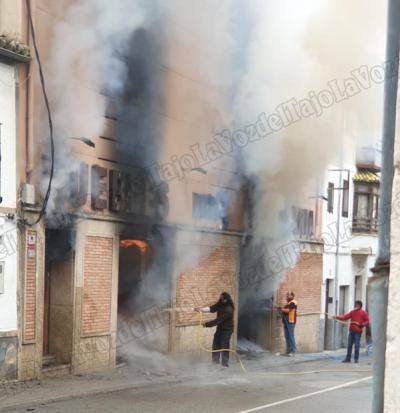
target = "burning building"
x: 141, y: 194
x: 136, y: 231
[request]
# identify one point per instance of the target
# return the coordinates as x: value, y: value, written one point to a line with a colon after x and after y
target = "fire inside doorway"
x: 144, y: 291
x: 134, y: 259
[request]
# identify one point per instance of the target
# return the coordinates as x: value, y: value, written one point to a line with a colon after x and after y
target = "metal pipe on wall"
x: 378, y: 285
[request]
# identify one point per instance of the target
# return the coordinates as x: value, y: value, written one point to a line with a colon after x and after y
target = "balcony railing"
x: 365, y: 225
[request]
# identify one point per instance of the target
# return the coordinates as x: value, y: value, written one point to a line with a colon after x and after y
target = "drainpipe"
x: 336, y: 343
x: 335, y: 340
x: 378, y: 284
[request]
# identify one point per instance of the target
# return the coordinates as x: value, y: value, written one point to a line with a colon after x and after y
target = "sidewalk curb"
x: 79, y: 394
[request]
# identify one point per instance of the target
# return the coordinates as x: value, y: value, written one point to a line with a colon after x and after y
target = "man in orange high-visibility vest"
x: 289, y: 318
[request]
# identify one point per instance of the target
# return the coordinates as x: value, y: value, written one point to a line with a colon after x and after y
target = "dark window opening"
x: 205, y: 206
x: 127, y: 191
x: 331, y: 188
x: 345, y: 200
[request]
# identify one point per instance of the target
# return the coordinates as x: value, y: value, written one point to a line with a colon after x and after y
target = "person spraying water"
x: 224, y: 322
x: 358, y: 320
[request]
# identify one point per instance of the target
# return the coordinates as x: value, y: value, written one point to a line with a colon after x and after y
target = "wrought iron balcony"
x: 365, y: 225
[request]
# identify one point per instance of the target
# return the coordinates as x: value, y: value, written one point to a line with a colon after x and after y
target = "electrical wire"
x: 49, y: 117
x: 16, y: 83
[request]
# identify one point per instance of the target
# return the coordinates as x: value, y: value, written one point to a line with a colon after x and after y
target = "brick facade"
x: 199, y: 282
x: 203, y: 284
x: 96, y: 308
x: 305, y: 281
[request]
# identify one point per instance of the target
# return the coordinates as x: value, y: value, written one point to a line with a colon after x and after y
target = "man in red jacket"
x: 358, y: 320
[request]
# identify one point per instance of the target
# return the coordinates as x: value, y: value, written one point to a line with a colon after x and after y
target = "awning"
x: 366, y: 176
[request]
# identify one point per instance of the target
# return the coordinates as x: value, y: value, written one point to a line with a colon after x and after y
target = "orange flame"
x: 129, y: 243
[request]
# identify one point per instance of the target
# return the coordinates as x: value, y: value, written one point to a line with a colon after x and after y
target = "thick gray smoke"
x: 254, y: 56
x: 293, y: 51
x: 88, y: 60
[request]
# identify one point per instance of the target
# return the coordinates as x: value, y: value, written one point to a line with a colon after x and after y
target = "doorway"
x: 134, y: 258
x: 255, y: 324
x: 343, y: 309
x: 329, y: 342
x: 133, y: 264
x: 58, y: 297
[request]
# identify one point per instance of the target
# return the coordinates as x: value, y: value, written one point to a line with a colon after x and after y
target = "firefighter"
x: 358, y: 320
x: 289, y: 318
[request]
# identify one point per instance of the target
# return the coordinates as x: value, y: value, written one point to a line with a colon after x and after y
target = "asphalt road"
x: 346, y: 389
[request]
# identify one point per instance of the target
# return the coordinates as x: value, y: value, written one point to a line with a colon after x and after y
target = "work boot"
x: 346, y: 361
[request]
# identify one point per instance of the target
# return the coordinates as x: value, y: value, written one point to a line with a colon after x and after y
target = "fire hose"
x: 332, y: 317
x: 204, y: 348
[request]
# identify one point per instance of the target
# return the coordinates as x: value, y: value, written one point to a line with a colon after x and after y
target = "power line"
x: 50, y: 121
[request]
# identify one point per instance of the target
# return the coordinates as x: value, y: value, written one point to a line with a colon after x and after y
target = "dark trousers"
x: 289, y: 336
x: 354, y: 338
x: 221, y: 341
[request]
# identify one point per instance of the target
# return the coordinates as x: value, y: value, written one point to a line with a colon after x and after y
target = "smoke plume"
x: 254, y: 57
x: 293, y: 50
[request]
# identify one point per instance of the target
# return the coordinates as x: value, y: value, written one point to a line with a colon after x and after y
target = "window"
x: 358, y: 287
x: 345, y: 199
x: 127, y: 191
x: 99, y: 187
x: 205, y: 206
x: 304, y: 219
x: 212, y: 208
x: 366, y: 204
x: 375, y: 206
x: 331, y: 188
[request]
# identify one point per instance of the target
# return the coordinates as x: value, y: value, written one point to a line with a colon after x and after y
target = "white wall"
x: 8, y: 135
x: 8, y: 256
x: 349, y: 245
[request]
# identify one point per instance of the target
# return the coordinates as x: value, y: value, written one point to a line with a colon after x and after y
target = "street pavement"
x: 295, y: 385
